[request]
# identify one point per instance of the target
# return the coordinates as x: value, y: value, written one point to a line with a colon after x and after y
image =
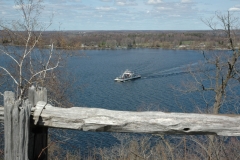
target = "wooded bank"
x: 102, y: 120
x: 127, y: 39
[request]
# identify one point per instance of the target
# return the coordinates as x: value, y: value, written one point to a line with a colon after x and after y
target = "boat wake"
x: 165, y: 75
x: 175, y: 71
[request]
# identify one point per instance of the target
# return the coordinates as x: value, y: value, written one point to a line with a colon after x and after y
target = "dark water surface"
x: 95, y: 86
x: 159, y: 70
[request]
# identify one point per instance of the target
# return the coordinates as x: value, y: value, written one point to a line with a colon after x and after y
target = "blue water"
x: 159, y: 69
x: 95, y: 85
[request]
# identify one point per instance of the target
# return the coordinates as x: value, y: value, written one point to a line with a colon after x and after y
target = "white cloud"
x: 126, y: 3
x: 234, y: 9
x: 175, y: 10
x: 154, y: 1
x: 121, y: 3
x: 186, y: 1
x: 106, y: 8
x: 164, y: 8
x: 17, y: 6
x: 106, y: 0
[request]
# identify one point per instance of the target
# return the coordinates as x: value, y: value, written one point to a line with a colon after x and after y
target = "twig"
x: 10, y: 75
x: 45, y: 149
x: 136, y: 155
x: 10, y: 56
x: 42, y: 72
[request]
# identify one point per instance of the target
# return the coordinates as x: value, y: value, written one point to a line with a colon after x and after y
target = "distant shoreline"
x: 114, y: 40
x: 119, y: 48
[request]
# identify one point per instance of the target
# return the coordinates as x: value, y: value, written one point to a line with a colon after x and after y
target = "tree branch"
x: 42, y: 72
x: 10, y: 75
x: 10, y: 56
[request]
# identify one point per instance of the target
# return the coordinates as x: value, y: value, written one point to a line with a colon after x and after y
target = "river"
x: 95, y: 85
x: 95, y: 70
x: 160, y: 69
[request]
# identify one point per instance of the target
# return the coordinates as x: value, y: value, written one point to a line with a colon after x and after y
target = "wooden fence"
x: 26, y: 123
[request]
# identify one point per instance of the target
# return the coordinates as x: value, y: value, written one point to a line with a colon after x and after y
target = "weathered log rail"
x: 96, y: 119
x: 26, y: 136
x: 102, y: 120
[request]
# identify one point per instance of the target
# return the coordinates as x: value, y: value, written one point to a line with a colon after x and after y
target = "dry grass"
x: 152, y: 147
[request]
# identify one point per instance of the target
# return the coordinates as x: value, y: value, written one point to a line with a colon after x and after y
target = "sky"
x: 125, y: 14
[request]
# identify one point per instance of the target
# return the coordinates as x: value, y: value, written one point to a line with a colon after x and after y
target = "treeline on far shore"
x: 125, y: 39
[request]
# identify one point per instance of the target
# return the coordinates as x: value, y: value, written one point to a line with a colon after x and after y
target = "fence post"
x: 38, y: 135
x: 16, y: 127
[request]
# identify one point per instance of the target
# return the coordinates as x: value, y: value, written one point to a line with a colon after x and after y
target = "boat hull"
x: 118, y: 79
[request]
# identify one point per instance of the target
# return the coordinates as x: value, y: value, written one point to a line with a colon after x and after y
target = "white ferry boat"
x: 126, y: 76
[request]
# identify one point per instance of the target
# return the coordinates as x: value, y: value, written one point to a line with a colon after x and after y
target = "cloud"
x: 17, y: 6
x: 106, y: 8
x: 154, y: 1
x: 164, y: 8
x: 121, y: 3
x: 126, y: 3
x: 234, y: 9
x: 106, y: 0
x: 174, y: 10
x: 186, y: 1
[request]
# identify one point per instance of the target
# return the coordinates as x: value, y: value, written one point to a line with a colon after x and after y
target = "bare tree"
x: 219, y: 73
x: 226, y: 64
x: 28, y: 61
x: 216, y: 79
x: 27, y: 65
